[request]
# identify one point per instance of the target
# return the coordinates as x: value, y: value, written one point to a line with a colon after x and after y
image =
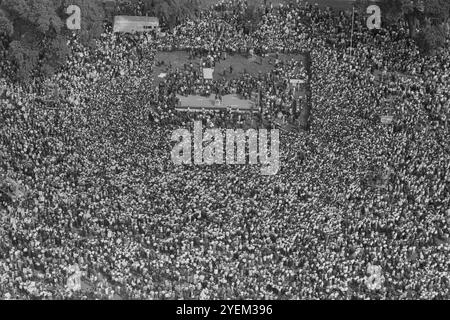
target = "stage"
x: 200, y: 103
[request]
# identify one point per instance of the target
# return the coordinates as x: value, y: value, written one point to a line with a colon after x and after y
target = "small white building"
x: 132, y: 24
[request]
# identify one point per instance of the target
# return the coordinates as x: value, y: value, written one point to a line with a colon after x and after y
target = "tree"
x: 39, y: 35
x: 39, y: 15
x: 25, y: 56
x: 430, y: 39
x: 417, y: 13
x: 250, y: 17
x: 394, y: 10
x: 6, y: 26
x: 425, y: 19
x: 436, y: 12
x: 31, y: 22
x: 54, y: 56
x: 92, y: 17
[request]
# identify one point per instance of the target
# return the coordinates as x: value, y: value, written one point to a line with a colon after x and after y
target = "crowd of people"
x: 87, y: 179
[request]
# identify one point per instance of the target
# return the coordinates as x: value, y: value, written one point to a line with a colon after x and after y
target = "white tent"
x: 208, y: 73
x: 132, y: 24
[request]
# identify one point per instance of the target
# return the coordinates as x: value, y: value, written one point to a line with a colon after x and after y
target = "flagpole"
x: 353, y: 24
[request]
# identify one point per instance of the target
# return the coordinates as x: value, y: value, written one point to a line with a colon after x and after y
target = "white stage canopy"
x: 135, y: 24
x: 208, y: 73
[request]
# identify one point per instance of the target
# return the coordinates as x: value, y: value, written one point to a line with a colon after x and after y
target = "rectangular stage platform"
x: 229, y: 102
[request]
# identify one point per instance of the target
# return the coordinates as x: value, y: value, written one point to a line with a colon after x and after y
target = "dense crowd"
x: 87, y: 180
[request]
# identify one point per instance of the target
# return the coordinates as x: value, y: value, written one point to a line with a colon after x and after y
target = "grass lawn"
x: 174, y: 58
x: 240, y: 63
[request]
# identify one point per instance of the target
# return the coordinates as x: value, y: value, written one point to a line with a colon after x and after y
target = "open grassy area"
x: 172, y: 60
x: 238, y: 62
x: 242, y: 64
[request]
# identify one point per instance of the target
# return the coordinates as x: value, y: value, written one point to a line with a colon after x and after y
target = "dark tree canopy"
x: 425, y: 19
x: 38, y: 33
x: 29, y: 23
x: 37, y: 29
x: 250, y: 18
x: 6, y: 26
x: 92, y: 16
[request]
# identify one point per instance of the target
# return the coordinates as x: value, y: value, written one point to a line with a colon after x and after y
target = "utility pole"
x: 353, y: 24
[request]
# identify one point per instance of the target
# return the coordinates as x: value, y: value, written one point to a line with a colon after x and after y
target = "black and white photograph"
x: 224, y: 155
